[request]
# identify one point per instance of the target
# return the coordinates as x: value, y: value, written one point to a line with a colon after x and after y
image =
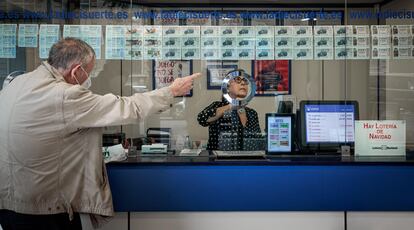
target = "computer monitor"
x: 326, y: 125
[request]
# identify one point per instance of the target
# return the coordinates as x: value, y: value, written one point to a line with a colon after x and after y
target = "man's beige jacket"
x: 50, y: 142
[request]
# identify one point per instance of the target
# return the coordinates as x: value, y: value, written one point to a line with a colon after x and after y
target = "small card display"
x: 279, y: 128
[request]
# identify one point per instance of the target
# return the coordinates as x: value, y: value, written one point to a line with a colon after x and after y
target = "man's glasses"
x: 240, y: 80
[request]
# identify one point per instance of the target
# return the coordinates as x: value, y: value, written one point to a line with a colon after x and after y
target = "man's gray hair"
x: 69, y: 51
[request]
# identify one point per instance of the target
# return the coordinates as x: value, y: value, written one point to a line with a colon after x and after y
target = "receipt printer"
x: 154, y: 148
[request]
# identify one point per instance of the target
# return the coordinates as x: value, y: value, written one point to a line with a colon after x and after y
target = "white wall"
x: 380, y: 220
x: 260, y: 220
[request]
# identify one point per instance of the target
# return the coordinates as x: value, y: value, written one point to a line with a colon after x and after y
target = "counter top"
x: 207, y: 158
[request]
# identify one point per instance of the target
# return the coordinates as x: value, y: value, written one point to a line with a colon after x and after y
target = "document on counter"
x: 190, y: 152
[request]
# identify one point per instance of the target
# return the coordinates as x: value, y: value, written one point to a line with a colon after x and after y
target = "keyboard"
x: 239, y: 154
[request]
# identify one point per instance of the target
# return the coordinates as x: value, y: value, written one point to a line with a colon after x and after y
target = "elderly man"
x: 51, y: 164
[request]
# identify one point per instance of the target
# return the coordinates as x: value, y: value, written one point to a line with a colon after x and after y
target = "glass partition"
x: 341, y: 51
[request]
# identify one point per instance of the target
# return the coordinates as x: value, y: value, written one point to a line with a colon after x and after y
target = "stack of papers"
x: 190, y: 152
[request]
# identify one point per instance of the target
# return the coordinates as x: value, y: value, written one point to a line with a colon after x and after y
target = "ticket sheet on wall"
x: 91, y: 34
x: 225, y: 42
x: 125, y: 42
x: 8, y: 40
x: 48, y: 35
x: 381, y: 42
x: 115, y: 42
x: 27, y: 36
x: 402, y: 42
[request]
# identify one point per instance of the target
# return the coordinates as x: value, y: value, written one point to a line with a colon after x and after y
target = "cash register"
x: 154, y: 148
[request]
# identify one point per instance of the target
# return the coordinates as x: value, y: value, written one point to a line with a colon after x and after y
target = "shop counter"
x: 276, y: 183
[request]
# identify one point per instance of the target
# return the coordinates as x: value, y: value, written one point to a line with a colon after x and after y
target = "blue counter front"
x: 274, y: 184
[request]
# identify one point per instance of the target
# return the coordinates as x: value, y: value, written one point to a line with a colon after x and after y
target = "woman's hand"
x: 220, y: 112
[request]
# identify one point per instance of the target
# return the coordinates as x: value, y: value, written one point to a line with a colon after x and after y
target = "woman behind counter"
x: 239, y: 124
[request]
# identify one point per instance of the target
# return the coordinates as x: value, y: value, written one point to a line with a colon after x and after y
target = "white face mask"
x: 88, y: 82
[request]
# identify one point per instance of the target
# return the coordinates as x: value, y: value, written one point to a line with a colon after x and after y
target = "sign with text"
x: 165, y: 72
x: 380, y: 138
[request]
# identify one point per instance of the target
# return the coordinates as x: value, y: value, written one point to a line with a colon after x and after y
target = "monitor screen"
x: 279, y: 129
x: 328, y: 123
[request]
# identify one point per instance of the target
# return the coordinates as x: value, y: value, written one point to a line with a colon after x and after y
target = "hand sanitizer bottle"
x: 187, y: 143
